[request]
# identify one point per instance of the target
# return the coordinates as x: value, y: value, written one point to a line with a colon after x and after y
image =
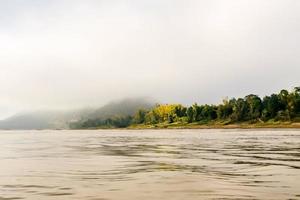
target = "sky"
x: 66, y: 54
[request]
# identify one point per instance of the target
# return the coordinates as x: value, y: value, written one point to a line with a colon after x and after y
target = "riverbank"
x: 217, y: 125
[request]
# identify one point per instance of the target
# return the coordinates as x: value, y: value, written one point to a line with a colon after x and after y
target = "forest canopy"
x: 284, y: 106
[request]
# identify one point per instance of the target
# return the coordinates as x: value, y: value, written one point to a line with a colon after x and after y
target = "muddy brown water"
x: 150, y: 164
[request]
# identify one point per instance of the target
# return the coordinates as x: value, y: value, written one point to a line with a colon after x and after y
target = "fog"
x: 59, y: 54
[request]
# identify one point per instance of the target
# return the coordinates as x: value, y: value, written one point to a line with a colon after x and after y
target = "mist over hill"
x: 120, y: 108
x: 61, y: 119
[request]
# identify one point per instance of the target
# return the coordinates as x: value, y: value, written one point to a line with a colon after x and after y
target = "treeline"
x: 284, y: 106
x: 111, y: 122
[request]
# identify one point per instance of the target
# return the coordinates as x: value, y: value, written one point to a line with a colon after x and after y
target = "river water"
x: 151, y: 164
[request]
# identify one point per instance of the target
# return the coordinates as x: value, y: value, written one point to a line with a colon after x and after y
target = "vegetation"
x: 279, y: 108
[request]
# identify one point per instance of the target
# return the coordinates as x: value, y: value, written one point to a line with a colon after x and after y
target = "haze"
x: 60, y: 54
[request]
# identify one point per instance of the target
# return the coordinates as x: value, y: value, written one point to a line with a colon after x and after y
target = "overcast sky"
x: 71, y: 54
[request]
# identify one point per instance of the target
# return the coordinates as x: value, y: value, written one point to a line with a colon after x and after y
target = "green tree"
x: 271, y: 106
x: 151, y: 117
x: 224, y: 110
x: 294, y: 102
x: 254, y: 106
x: 139, y: 117
x: 180, y: 111
x: 209, y: 112
x: 240, y: 110
x: 190, y: 114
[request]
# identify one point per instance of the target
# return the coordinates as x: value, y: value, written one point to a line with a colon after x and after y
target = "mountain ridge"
x: 57, y: 119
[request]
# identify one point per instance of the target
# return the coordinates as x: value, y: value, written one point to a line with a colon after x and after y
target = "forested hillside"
x: 281, y: 107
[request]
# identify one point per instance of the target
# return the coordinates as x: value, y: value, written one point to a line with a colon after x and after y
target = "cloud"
x: 66, y: 54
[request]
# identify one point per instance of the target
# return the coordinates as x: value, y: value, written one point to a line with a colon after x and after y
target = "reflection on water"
x: 161, y: 164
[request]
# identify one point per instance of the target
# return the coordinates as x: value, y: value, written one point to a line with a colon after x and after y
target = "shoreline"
x: 285, y: 125
x: 199, y: 127
x: 181, y: 126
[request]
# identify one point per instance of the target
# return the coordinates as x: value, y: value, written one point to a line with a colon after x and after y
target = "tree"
x: 190, y: 114
x: 254, y: 106
x: 271, y: 106
x: 209, y: 112
x: 139, y: 117
x: 151, y: 117
x: 240, y: 110
x: 284, y: 98
x: 180, y: 111
x: 294, y: 102
x: 224, y: 110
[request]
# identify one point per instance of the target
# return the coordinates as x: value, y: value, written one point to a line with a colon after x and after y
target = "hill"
x: 62, y: 119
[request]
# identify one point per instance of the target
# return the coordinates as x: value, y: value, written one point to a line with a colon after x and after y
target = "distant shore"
x: 218, y: 126
x: 280, y: 110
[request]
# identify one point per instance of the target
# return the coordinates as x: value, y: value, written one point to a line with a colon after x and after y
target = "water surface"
x: 160, y: 164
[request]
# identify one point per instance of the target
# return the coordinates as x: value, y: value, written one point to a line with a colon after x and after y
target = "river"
x: 150, y: 164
